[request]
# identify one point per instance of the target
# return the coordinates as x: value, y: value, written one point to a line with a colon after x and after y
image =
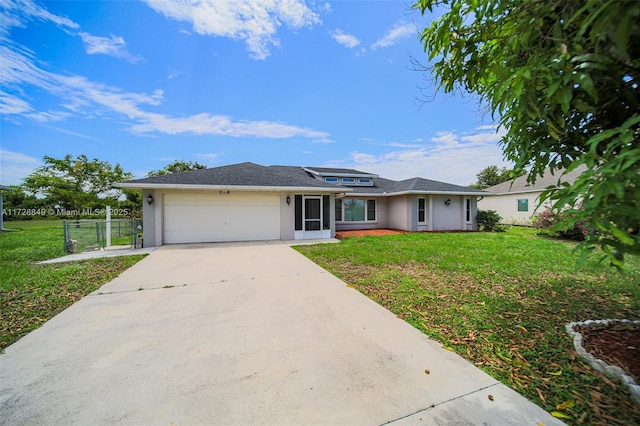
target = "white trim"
x: 522, y: 192
x: 394, y: 194
x: 231, y: 187
x: 426, y: 207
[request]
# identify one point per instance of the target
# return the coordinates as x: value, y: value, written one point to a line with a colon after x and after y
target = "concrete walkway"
x: 115, y: 252
x: 239, y: 333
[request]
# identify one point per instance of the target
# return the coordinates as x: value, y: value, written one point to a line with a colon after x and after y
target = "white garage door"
x: 202, y: 217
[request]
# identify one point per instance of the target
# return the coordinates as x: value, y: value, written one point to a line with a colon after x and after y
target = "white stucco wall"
x: 507, y: 206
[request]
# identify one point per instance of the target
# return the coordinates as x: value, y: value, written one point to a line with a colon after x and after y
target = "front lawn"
x: 501, y: 300
x: 31, y: 294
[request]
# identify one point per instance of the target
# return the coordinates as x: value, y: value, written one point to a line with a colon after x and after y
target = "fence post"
x: 108, y: 225
x: 65, y: 236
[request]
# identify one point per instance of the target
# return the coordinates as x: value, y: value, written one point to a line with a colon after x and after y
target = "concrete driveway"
x: 241, y: 333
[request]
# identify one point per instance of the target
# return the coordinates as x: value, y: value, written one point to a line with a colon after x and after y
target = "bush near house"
x: 561, y: 223
x: 488, y: 220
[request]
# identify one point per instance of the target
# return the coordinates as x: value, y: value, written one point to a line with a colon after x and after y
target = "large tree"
x: 177, y: 166
x: 76, y: 183
x: 562, y: 78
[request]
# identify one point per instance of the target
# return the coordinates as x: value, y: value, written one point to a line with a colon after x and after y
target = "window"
x: 355, y: 210
x: 364, y: 180
x: 467, y: 202
x: 523, y: 205
x: 331, y: 179
x: 422, y: 210
x: 371, y: 209
x: 348, y: 180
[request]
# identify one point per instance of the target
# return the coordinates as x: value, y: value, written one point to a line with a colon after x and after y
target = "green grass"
x: 31, y: 294
x: 500, y: 300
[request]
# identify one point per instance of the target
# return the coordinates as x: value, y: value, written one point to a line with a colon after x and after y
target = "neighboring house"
x: 245, y: 202
x: 517, y: 201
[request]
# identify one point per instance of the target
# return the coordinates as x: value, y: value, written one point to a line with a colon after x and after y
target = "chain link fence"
x: 82, y: 235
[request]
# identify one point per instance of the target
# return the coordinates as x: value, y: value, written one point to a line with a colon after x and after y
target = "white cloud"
x: 17, y: 13
x: 10, y: 104
x: 453, y: 158
x: 255, y: 22
x: 398, y: 32
x: 345, y: 39
x: 87, y: 98
x: 113, y: 46
x: 16, y: 166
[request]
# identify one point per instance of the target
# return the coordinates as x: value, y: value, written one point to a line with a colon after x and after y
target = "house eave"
x: 394, y: 194
x: 528, y: 191
x: 244, y: 188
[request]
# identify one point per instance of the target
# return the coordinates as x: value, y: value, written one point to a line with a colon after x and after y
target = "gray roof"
x: 520, y: 184
x: 414, y: 185
x: 242, y: 174
x: 255, y: 175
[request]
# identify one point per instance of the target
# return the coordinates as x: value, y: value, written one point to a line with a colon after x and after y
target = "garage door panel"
x: 211, y: 218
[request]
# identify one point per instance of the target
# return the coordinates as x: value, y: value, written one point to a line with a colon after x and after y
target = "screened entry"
x: 312, y: 216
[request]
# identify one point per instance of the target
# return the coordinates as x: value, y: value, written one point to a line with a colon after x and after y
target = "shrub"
x: 561, y: 223
x: 488, y: 220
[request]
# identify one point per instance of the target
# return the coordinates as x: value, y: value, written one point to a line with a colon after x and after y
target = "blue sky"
x: 283, y: 82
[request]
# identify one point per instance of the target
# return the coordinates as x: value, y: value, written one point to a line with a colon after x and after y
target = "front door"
x: 312, y: 213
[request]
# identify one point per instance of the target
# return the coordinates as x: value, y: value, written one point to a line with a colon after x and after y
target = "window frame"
x: 423, y: 210
x: 369, y: 214
x: 525, y: 202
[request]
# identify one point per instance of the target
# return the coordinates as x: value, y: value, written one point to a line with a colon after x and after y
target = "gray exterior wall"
x: 149, y: 219
x: 399, y: 213
x: 447, y: 218
x: 287, y: 217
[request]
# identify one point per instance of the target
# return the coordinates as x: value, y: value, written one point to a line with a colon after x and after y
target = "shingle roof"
x: 242, y: 174
x: 416, y: 185
x: 255, y: 175
x: 520, y: 184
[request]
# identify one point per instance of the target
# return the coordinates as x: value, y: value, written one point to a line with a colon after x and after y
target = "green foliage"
x: 562, y: 77
x: 76, y: 183
x: 178, y: 166
x: 488, y: 220
x: 554, y: 223
x: 493, y: 175
x: 19, y: 199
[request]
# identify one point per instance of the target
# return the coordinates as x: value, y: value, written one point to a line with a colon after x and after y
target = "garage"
x: 199, y: 217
